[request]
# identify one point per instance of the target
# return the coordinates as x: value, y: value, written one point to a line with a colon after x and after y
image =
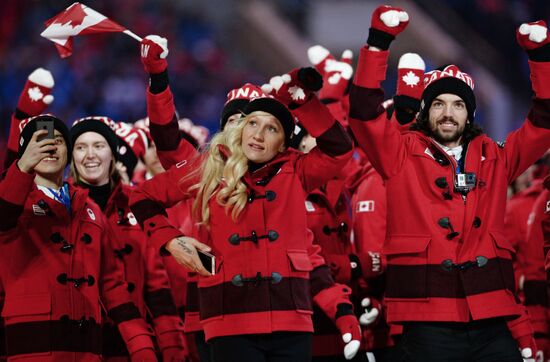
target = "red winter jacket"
x: 58, y: 272
x: 144, y: 273
x: 266, y: 255
x: 433, y: 273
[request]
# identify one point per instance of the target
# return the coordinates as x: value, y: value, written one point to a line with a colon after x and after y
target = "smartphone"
x: 208, y: 261
x: 48, y: 126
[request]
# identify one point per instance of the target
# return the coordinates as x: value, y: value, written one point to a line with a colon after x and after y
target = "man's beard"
x: 445, y: 137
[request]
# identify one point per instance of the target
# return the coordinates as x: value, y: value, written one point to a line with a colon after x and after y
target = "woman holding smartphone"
x: 249, y: 192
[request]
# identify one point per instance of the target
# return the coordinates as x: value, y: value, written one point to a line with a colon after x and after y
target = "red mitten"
x: 410, y: 85
x: 295, y: 88
x: 36, y: 96
x: 336, y: 73
x: 533, y: 35
x: 372, y: 311
x: 154, y: 50
x: 410, y: 76
x: 367, y: 265
x: 349, y: 327
x: 386, y: 22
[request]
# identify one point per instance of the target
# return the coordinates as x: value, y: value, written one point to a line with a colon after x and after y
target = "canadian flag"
x: 77, y: 19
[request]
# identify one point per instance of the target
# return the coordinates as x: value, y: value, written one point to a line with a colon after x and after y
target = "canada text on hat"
x: 247, y: 91
x: 448, y: 71
x: 133, y: 137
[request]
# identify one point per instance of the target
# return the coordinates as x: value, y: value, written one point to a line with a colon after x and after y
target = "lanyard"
x: 62, y: 196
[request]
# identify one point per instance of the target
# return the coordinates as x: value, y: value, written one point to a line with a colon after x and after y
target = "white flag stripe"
x: 60, y: 33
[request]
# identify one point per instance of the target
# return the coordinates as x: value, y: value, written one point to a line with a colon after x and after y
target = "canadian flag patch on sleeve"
x: 365, y: 206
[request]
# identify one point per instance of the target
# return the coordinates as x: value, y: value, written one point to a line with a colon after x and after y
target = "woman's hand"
x: 184, y: 250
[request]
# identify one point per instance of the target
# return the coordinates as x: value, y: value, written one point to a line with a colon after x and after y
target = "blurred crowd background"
x: 217, y: 45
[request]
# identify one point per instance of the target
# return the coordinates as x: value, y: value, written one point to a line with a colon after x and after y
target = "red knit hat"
x: 448, y: 80
x: 237, y: 99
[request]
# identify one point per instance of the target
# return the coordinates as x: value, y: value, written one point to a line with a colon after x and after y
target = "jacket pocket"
x: 407, y: 267
x: 211, y: 294
x: 503, y: 248
x: 300, y: 290
x: 24, y: 310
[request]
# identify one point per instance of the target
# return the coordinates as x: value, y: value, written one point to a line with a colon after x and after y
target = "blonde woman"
x: 249, y: 191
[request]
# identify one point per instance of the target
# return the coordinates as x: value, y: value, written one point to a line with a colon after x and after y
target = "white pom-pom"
x: 162, y: 42
x: 347, y: 54
x: 365, y: 302
x: 48, y: 99
x: 42, y: 77
x: 411, y: 61
x: 370, y: 357
x: 286, y: 78
x: 526, y: 353
x: 537, y: 33
x: 317, y: 54
x: 345, y: 70
x: 392, y: 18
x: 346, y: 337
x: 266, y: 88
x: 524, y: 29
x: 403, y: 16
x: 350, y: 350
x: 276, y: 82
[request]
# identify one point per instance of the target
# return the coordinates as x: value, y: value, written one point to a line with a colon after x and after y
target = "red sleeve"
x: 528, y: 143
x: 14, y: 189
x: 150, y: 200
x: 117, y: 301
x: 13, y: 141
x: 172, y: 147
x: 376, y: 135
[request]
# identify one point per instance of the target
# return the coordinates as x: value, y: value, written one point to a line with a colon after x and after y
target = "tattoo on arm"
x: 183, y: 245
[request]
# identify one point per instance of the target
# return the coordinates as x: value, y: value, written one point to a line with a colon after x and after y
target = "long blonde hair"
x: 221, y: 173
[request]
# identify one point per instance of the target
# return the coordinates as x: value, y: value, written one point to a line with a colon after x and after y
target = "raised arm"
x: 380, y: 139
x: 171, y: 144
x: 525, y: 145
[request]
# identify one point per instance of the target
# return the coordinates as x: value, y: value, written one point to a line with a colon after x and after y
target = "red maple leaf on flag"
x: 74, y: 16
x: 78, y: 19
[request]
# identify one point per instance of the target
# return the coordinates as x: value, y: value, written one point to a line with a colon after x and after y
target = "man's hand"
x: 184, y: 250
x: 36, y: 151
x: 154, y: 50
x: 386, y: 23
x: 532, y: 35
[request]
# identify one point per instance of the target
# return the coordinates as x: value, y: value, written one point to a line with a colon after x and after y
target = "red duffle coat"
x: 265, y: 258
x: 144, y: 273
x: 57, y: 271
x: 420, y: 245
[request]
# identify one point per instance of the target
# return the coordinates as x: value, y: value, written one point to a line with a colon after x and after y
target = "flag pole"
x: 129, y: 33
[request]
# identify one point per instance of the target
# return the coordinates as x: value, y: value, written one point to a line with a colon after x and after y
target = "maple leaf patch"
x: 296, y: 93
x: 411, y: 79
x: 35, y: 94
